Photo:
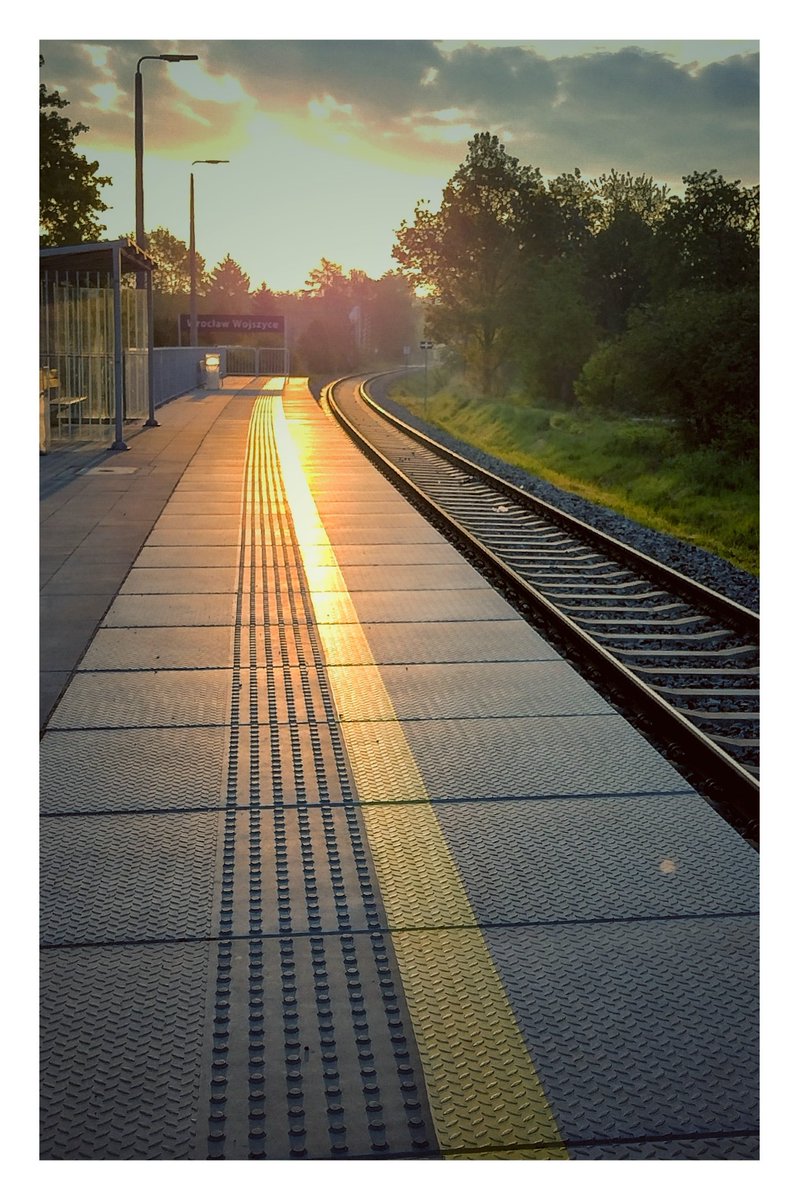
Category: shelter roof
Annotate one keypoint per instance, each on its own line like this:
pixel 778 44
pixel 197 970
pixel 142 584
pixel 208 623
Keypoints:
pixel 95 256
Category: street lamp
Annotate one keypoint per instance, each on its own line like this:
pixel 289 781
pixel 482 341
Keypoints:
pixel 141 240
pixel 214 162
pixel 139 135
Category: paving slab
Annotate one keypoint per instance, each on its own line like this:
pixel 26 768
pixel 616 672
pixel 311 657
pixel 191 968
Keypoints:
pixel 340 860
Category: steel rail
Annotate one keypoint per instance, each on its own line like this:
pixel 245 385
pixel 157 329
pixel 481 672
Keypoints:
pixel 718 775
pixel 698 593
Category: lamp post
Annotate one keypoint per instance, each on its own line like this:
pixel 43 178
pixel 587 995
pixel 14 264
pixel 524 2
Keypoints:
pixel 141 238
pixel 214 162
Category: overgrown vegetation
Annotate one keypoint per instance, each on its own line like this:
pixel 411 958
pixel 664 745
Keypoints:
pixel 608 293
pixel 338 323
pixel 602 333
pixel 637 466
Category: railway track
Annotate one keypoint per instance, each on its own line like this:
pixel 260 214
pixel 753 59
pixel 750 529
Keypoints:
pixel 681 660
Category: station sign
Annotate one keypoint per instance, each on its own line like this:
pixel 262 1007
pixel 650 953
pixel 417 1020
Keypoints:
pixel 231 323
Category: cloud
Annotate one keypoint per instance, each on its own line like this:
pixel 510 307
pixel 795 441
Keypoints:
pixel 177 115
pixel 638 110
pixel 375 82
pixel 634 107
pixel 495 82
pixel 732 84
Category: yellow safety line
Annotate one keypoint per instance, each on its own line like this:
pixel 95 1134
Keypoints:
pixel 483 1089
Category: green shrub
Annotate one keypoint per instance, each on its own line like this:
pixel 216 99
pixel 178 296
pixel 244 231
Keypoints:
pixel 694 359
pixel 637 466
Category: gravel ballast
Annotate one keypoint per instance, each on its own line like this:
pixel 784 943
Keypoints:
pixel 707 568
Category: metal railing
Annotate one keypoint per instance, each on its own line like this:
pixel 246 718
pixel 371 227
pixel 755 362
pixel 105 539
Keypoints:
pixel 254 360
pixel 77 367
pixel 77 355
pixel 176 369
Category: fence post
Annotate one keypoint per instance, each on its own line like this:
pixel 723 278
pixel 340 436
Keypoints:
pixel 119 377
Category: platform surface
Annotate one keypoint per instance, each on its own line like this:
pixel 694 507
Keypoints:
pixel 341 860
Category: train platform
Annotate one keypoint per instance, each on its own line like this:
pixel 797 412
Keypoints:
pixel 339 859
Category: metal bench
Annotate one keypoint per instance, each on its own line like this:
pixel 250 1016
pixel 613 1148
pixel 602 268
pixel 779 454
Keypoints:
pixel 66 411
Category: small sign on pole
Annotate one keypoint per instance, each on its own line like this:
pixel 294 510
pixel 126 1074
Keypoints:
pixel 425 346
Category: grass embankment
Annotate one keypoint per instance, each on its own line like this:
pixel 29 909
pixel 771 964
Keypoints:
pixel 636 468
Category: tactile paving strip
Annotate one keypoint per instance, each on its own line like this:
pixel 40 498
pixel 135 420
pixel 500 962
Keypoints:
pixel 312 1051
pixel 315 873
pixel 313 1056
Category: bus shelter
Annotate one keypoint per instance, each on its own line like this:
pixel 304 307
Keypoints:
pixel 95 341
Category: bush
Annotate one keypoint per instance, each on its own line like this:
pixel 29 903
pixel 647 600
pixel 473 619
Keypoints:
pixel 694 359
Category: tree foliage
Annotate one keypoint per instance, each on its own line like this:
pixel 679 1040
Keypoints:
pixel 172 274
pixel 611 281
pixel 263 299
pixel 339 322
pixel 469 254
pixel 711 236
pixel 69 186
pixel 228 287
pixel 559 330
pixel 694 359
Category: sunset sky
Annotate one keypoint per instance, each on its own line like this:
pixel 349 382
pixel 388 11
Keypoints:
pixel 333 141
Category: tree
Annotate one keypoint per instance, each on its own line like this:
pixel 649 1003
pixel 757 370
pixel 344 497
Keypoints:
pixel 228 287
pixel 317 353
pixel 393 316
pixel 326 280
pixel 470 253
pixel 618 193
pixel 172 275
pixel 558 330
pixel 263 300
pixel 578 207
pixel 621 256
pixel 69 186
pixel 711 236
pixel 620 265
pixel 694 359
pixel 334 307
